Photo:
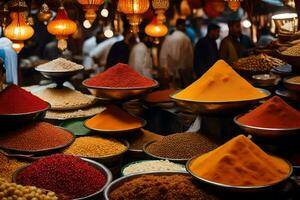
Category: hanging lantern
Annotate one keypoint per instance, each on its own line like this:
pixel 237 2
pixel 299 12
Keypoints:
pixel 90 7
pixel 234 5
pixel 210 11
pixel 160 7
pixel 156 30
pixel 185 8
pixel 218 5
pixel 18 31
pixel 134 10
pixel 62 27
pixel 17 6
pixel 44 14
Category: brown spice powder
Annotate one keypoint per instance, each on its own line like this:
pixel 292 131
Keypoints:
pixel 143 137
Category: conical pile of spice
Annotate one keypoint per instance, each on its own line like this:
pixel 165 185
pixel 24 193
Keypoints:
pixel 219 84
pixel 274 113
pixel 15 100
pixel 240 162
pixel 113 119
pixel 120 76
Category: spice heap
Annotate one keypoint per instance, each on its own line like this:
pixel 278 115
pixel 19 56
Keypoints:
pixel 15 100
pixel 63 174
pixel 76 126
pixel 220 84
pixel 95 147
pixel 8 167
pixel 65 98
pixel 240 162
pixel 160 96
pixel 113 119
pixel 14 191
pixel 152 166
pixel 257 63
pixel 119 76
pixel 35 137
pixel 274 113
pixel 142 138
pixel 292 51
pixel 294 80
pixel 62 115
pixel 147 187
pixel 181 146
pixel 59 65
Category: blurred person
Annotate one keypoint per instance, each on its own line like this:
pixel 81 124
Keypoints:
pixel 206 50
pixel 140 56
pixel 176 56
pixel 236 45
pixel 266 38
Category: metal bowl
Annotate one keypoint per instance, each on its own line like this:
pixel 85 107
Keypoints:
pixel 237 188
pixel 266 132
pixel 291 85
pixel 119 93
pixel 92 163
pixel 217 108
pixel 292 60
pixel 176 160
pixel 115 184
pixel 265 80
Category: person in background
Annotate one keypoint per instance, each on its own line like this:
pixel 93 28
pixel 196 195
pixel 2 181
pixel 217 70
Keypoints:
pixel 10 58
pixel 236 45
pixel 206 50
pixel 140 56
pixel 119 52
pixel 266 38
pixel 2 74
pixel 176 56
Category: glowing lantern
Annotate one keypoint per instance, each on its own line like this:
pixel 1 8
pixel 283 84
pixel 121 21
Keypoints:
pixel 134 10
pixel 160 7
pixel 62 27
pixel 185 8
pixel 90 7
pixel 18 30
pixel 155 29
pixel 218 5
pixel 234 5
pixel 210 11
pixel 44 14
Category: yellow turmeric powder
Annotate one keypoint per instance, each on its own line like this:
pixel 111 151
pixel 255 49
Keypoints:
pixel 240 162
pixel 113 119
pixel 220 83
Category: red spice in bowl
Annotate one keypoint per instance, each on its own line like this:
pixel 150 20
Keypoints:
pixel 63 174
pixel 36 137
pixel 274 113
pixel 15 100
pixel 119 76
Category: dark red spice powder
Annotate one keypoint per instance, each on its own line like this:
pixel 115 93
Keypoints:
pixel 15 100
pixel 35 137
pixel 119 76
pixel 63 174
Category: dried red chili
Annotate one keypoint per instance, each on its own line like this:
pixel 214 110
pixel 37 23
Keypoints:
pixel 63 174
pixel 15 100
pixel 119 76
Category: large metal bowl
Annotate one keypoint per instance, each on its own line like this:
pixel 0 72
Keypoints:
pixel 292 60
pixel 106 172
pixel 291 85
pixel 217 108
pixel 266 132
pixel 119 93
pixel 237 188
pixel 115 184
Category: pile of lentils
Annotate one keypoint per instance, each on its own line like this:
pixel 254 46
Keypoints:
pixel 63 174
pixel 8 167
pixel 181 146
pixel 143 136
pixel 149 187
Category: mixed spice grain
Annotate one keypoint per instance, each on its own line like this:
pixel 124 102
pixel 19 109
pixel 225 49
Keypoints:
pixel 8 167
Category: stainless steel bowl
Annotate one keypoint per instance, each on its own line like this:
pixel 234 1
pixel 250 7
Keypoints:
pixel 217 108
pixel 291 85
pixel 115 184
pixel 237 188
pixel 106 172
pixel 266 132
pixel 110 93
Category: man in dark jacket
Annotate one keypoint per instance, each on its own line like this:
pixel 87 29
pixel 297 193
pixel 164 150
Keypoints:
pixel 206 50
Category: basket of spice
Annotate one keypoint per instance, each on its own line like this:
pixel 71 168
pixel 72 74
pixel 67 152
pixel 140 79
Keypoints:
pixel 239 165
pixel 292 83
pixel 176 186
pixel 74 177
pixel 272 119
pixel 219 91
pixel 291 55
pixel 119 82
pixel 18 106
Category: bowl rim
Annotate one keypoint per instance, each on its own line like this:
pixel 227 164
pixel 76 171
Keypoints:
pixel 266 92
pixel 27 113
pixel 260 128
pixel 92 163
pixel 155 85
pixel 53 71
pixel 46 149
pixel 285 80
pixel 272 77
pixel 234 186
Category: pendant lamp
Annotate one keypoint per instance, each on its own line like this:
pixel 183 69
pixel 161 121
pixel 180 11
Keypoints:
pixel 44 14
pixel 156 30
pixel 90 7
pixel 160 7
pixel 234 5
